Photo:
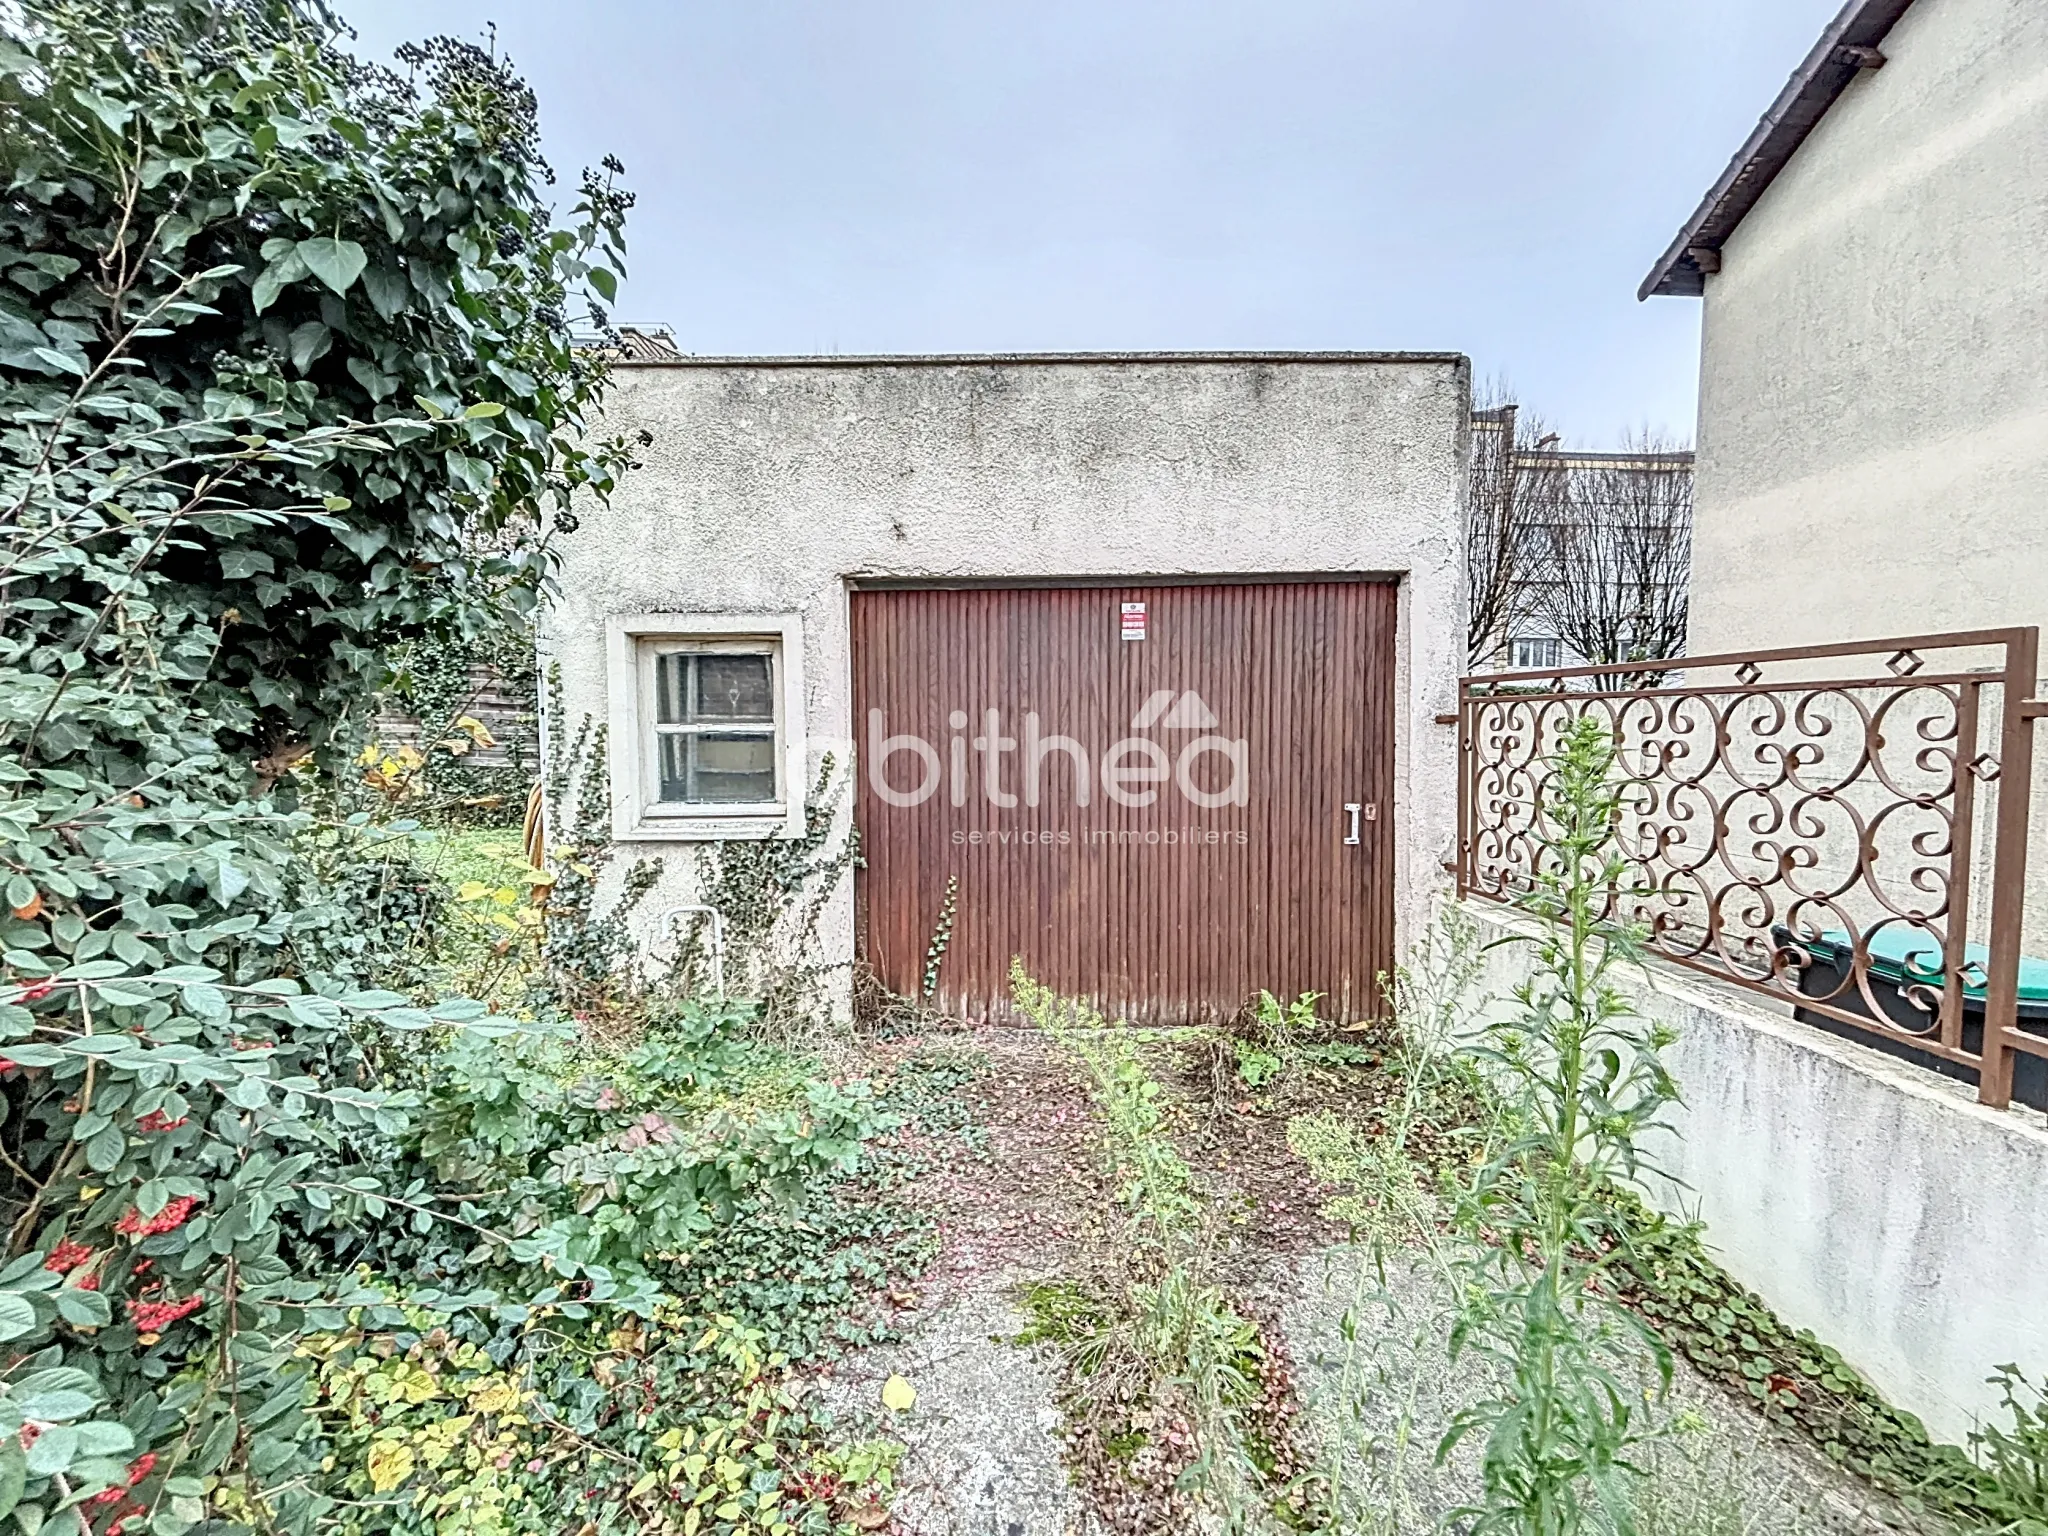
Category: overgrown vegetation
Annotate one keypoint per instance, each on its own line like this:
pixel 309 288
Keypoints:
pixel 1180 1404
pixel 1577 1293
pixel 439 684
pixel 1579 1085
pixel 1806 1386
pixel 772 893
pixel 294 1239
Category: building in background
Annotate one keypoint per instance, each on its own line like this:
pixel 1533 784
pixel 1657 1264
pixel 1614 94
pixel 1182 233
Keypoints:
pixel 1573 556
pixel 1129 667
pixel 1873 427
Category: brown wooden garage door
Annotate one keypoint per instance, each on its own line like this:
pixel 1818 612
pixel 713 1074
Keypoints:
pixel 1141 791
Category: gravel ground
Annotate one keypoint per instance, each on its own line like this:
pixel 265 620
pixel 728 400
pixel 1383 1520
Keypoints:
pixel 983 1455
pixel 1726 1473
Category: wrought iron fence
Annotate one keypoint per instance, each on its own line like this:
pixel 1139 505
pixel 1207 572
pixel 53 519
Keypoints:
pixel 1843 828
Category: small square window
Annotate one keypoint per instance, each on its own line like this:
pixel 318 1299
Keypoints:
pixel 712 733
pixel 707 726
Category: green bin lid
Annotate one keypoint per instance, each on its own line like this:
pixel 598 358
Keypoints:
pixel 1902 953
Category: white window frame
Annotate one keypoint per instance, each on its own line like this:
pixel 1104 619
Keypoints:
pixel 1516 664
pixel 631 644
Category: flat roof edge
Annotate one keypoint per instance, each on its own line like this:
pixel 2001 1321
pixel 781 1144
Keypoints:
pixel 1034 359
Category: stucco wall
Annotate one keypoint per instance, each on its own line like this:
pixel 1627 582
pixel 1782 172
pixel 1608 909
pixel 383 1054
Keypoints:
pixel 1875 1203
pixel 770 483
pixel 1873 433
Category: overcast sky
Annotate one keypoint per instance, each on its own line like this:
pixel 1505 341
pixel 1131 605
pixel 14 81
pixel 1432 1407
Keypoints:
pixel 1486 176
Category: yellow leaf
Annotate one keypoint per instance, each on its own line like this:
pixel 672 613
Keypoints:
pixel 898 1395
pixel 495 1396
pixel 645 1485
pixel 420 1387
pixel 390 1464
pixel 474 729
pixel 471 890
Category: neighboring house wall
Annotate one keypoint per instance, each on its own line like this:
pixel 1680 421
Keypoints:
pixel 770 483
pixel 1873 435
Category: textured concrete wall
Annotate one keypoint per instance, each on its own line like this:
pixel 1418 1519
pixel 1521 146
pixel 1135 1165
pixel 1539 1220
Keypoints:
pixel 768 485
pixel 1873 434
pixel 1866 1199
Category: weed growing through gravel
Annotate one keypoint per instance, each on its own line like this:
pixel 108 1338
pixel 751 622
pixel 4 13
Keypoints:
pixel 1181 1402
pixel 1395 1207
pixel 1581 1084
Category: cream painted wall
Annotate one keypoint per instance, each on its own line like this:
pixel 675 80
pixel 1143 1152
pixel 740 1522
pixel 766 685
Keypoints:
pixel 768 485
pixel 1873 433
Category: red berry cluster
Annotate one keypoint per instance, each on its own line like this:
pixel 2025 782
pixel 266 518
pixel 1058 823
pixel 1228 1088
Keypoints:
pixel 66 1256
pixel 142 1467
pixel 156 1316
pixel 169 1219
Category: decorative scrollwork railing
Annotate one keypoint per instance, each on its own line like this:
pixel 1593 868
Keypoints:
pixel 1837 827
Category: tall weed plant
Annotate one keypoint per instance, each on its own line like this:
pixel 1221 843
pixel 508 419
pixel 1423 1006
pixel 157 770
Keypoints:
pixel 1580 1085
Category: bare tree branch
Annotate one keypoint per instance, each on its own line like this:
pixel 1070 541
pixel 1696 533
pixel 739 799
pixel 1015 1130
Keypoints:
pixel 1620 557
pixel 1510 491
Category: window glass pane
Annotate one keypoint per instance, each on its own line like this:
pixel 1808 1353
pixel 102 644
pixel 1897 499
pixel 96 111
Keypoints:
pixel 732 770
pixel 674 757
pixel 734 688
pixel 716 769
pixel 671 688
pixel 1537 652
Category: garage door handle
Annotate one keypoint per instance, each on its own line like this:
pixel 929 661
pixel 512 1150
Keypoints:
pixel 1356 811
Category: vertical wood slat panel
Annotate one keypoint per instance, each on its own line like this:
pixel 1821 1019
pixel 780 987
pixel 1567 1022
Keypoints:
pixel 1160 932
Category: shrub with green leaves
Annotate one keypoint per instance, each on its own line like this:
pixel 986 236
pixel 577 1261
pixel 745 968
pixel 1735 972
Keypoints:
pixel 285 379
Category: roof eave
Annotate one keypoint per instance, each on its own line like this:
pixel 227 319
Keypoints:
pixel 1846 49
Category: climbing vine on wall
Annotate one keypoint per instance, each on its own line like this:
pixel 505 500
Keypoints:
pixel 772 892
pixel 591 959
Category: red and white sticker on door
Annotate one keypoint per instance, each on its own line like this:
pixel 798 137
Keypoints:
pixel 1133 621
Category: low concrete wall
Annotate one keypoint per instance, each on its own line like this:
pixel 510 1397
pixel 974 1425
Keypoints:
pixel 1868 1200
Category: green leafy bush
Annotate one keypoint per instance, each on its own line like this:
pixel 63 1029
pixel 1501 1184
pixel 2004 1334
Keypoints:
pixel 285 379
